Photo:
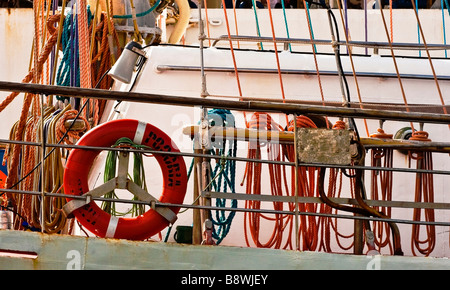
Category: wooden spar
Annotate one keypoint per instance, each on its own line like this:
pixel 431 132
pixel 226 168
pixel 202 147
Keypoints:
pixel 224 104
pixel 285 137
pixel 243 134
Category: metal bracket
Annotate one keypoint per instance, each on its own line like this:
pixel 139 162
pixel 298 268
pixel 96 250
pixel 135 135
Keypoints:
pixel 370 240
pixel 119 182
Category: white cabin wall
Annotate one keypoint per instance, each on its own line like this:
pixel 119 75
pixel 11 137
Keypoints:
pixel 16 38
pixel 404 27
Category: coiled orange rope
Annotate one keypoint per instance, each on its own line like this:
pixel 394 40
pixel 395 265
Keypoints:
pixel 424 192
pixel 84 50
pixel 282 225
pixel 307 186
pixel 72 134
pixel 252 220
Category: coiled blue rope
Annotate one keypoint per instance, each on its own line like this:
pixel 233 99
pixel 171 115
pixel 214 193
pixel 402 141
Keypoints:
pixel 68 73
pixel 226 177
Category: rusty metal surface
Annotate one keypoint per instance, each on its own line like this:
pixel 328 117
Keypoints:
pixel 316 145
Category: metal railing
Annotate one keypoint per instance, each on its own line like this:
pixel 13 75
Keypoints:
pixel 294 109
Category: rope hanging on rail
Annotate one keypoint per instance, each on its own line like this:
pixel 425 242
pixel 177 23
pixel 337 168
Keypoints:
pixel 69 68
pixel 138 177
pixel 381 188
pixel 71 73
pixel 224 174
pixel 253 220
pixel 24 162
pixel 29 207
pixel 424 192
pixel 282 183
pixel 307 186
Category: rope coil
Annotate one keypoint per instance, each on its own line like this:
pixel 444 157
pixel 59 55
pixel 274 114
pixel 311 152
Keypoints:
pixel 424 192
pixel 381 188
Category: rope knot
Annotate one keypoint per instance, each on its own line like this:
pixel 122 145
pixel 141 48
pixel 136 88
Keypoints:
pixel 419 136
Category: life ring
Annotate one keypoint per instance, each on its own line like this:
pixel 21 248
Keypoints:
pixel 80 161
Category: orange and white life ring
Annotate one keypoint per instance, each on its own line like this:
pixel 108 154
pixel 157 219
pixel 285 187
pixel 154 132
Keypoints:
pixel 80 161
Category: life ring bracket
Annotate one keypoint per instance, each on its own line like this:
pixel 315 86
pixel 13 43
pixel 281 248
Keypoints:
pixel 121 181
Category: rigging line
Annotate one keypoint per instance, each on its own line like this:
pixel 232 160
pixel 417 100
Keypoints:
pixel 310 25
pixel 94 29
pixel 365 26
pixel 207 21
pixel 416 8
pixel 235 22
pixel 353 66
pixel 44 16
pixel 233 55
pixel 277 58
pixel 443 26
pixel 285 23
pixel 257 23
pixel 346 19
pixel 36 5
pixel 315 56
pixel 48 154
pixel 395 63
pixel 83 32
pixel 391 20
pixel 444 109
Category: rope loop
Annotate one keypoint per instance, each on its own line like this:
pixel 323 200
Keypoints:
pixel 339 125
pixel 381 134
pixel 419 136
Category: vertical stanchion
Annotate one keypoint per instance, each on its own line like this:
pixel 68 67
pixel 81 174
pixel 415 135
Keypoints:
pixel 42 167
pixel 203 170
pixel 359 223
pixel 297 246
